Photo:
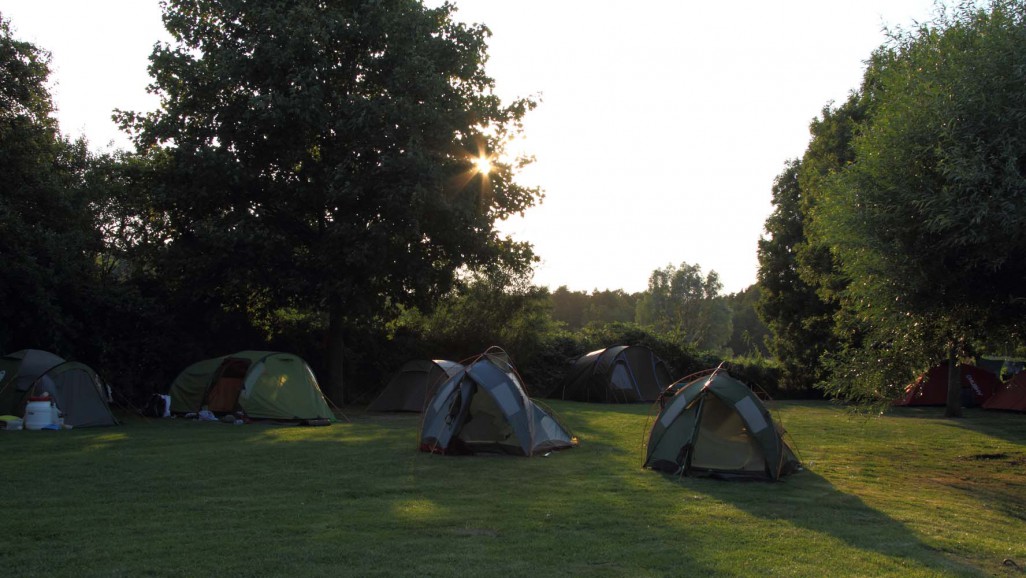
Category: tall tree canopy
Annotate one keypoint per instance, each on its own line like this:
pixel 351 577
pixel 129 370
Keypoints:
pixel 798 274
pixel 789 304
pixel 322 155
pixel 46 230
pixel 928 220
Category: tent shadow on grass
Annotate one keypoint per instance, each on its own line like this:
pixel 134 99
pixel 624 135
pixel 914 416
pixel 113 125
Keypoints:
pixel 809 501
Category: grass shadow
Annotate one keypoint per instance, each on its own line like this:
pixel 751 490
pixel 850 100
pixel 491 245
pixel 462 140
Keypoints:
pixel 807 503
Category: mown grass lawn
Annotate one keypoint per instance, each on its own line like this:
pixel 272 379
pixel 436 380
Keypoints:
pixel 906 494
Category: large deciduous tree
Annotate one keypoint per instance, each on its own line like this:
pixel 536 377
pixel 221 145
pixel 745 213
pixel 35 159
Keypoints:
pixel 46 230
pixel 800 321
pixel 321 155
pixel 928 221
pixel 683 302
pixel 801 281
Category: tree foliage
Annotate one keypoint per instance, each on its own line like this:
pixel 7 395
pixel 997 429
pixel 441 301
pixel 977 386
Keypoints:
pixel 306 160
pixel 578 309
pixel 320 156
pixel 749 334
pixel 681 301
pixel 47 238
pixel 927 221
pixel 799 319
pixel 569 307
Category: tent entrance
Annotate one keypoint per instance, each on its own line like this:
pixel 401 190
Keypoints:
pixel 723 441
pixel 223 396
pixel 486 428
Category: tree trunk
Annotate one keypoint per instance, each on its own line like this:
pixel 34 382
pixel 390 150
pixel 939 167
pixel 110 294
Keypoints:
pixel 335 387
pixel 954 407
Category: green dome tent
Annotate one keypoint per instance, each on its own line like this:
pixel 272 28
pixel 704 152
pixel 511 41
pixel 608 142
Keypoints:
pixel 262 384
pixel 411 385
pixel 712 424
pixel 484 409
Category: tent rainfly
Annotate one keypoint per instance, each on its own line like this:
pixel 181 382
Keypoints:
pixel 712 424
pixel 931 388
pixel 411 385
pixel 1011 396
pixel 77 390
pixel 620 374
pixel 261 384
pixel 484 408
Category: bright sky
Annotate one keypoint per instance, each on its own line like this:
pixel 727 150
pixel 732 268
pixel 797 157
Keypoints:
pixel 661 127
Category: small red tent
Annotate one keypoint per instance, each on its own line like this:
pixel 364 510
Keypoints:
pixel 932 387
pixel 1011 397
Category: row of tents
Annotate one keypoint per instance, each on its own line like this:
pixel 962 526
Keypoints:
pixel 980 388
pixel 628 374
pixel 621 374
pixel 264 385
pixel 708 423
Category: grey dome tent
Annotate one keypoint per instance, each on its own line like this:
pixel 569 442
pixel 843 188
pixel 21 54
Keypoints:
pixel 712 424
pixel 620 374
pixel 484 408
pixel 80 394
pixel 77 390
pixel 18 371
pixel 409 387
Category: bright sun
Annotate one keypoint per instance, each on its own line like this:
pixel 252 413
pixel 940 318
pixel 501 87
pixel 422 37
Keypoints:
pixel 483 165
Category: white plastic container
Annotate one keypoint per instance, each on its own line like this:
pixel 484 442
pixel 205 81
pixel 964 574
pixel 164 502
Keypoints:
pixel 38 414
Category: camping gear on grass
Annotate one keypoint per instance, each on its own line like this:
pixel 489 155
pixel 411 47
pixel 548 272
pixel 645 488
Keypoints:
pixel 39 412
pixel 931 388
pixel 484 408
pixel 261 384
pixel 712 424
pixel 411 385
pixel 74 388
pixel 1011 396
pixel 620 374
